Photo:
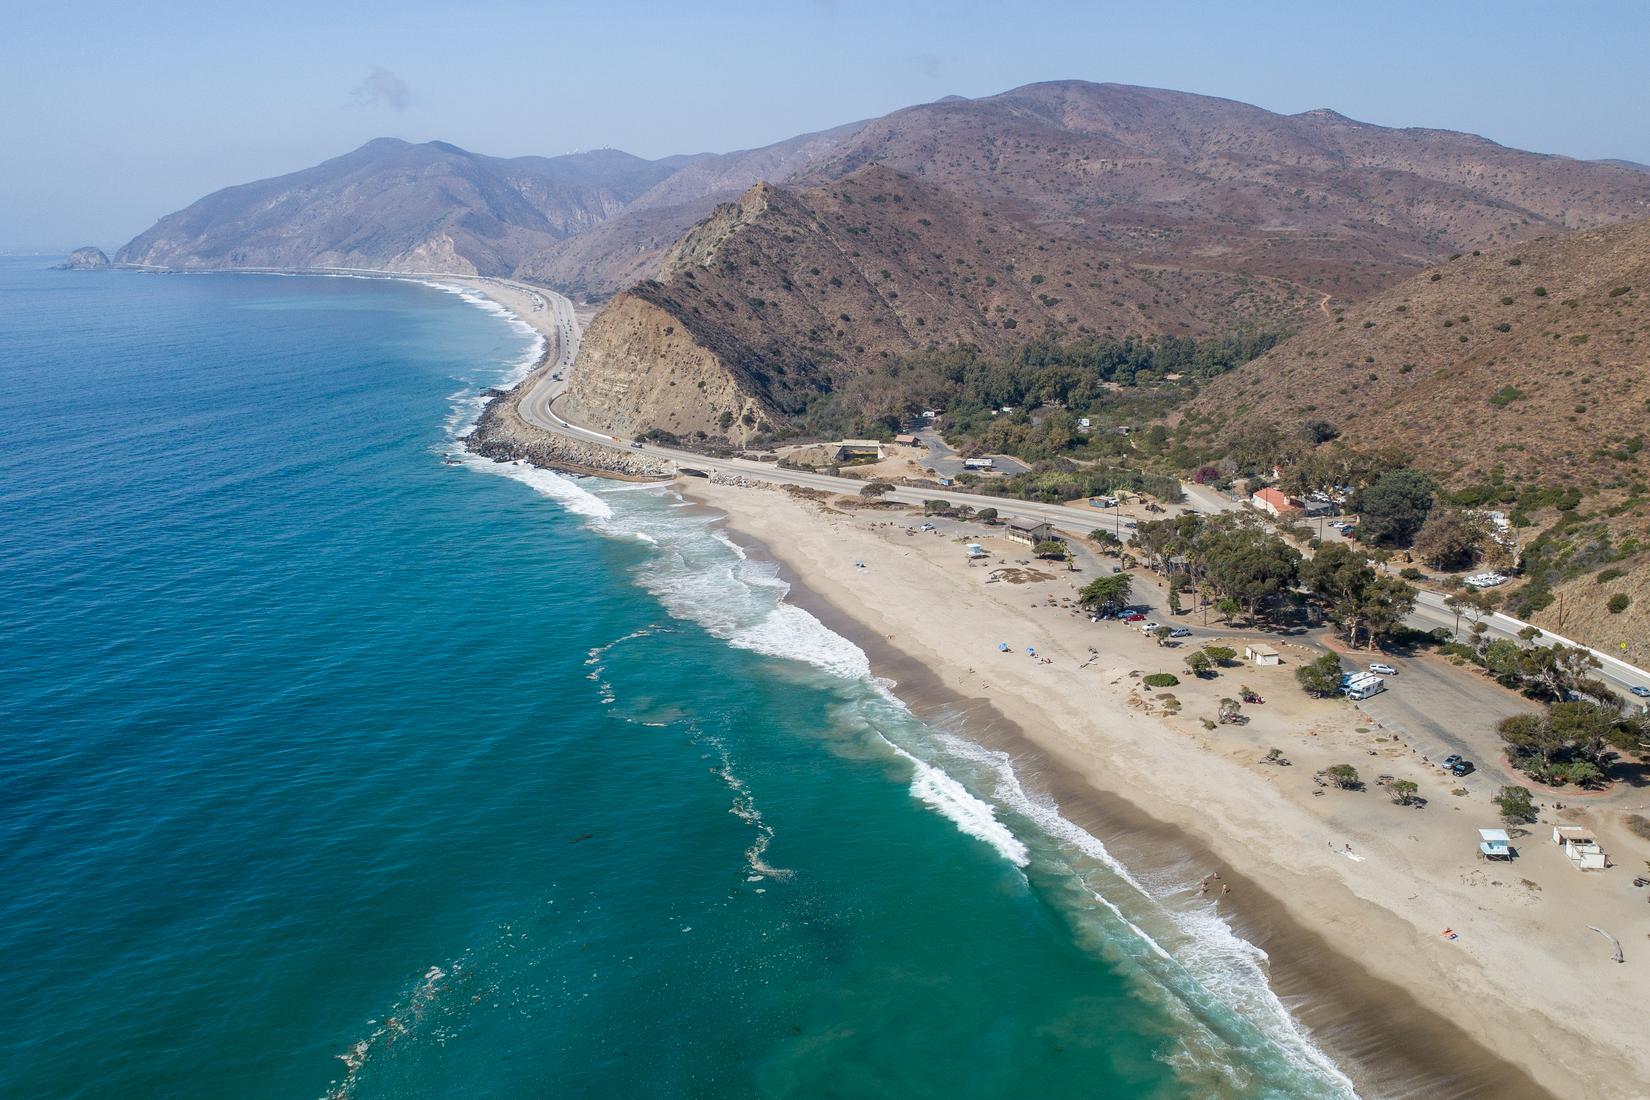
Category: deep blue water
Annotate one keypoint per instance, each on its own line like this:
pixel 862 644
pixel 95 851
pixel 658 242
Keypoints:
pixel 327 767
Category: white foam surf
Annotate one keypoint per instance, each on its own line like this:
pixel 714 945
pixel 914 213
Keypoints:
pixel 701 575
pixel 973 816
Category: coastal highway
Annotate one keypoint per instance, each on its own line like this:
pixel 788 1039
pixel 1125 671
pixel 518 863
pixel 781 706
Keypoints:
pixel 560 325
pixel 537 407
pixel 1430 611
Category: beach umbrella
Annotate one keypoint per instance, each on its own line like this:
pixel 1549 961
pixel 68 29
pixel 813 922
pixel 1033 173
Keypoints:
pixel 1002 647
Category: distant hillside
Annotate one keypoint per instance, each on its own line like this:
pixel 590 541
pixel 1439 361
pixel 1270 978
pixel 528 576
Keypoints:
pixel 628 246
pixel 396 206
pixel 587 222
pixel 1530 358
pixel 1518 379
pixel 1072 206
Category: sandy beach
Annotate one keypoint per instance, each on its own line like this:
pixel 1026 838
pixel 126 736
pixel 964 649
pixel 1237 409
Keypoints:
pixel 1349 893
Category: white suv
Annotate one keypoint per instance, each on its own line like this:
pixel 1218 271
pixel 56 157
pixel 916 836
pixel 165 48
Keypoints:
pixel 1383 669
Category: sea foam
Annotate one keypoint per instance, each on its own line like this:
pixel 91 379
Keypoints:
pixel 701 575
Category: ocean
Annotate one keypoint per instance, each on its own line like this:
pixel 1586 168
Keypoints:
pixel 333 768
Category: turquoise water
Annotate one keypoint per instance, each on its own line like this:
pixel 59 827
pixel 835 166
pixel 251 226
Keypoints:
pixel 332 769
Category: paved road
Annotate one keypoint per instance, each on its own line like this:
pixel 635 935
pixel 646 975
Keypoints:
pixel 1431 612
pixel 1440 709
pixel 537 407
pixel 946 462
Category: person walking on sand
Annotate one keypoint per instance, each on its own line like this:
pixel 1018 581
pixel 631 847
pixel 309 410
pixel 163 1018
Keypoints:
pixel 1225 888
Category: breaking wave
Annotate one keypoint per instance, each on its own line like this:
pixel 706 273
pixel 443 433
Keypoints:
pixel 1215 980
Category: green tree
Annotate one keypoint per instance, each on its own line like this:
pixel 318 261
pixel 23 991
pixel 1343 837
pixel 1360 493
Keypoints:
pixel 1344 776
pixel 1321 678
pixel 1394 507
pixel 936 507
pixel 1354 596
pixel 1050 548
pixel 1220 654
pixel 1244 562
pixel 1108 593
pixel 986 515
pixel 1160 680
pixel 1105 539
pixel 1403 791
pixel 876 489
pixel 1515 805
pixel 1199 664
pixel 1452 539
pixel 1162 634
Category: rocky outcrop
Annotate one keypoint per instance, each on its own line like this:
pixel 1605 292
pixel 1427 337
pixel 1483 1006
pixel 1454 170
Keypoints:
pixel 642 367
pixel 503 436
pixel 85 259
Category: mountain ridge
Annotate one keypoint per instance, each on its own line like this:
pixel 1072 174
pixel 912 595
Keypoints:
pixel 1077 208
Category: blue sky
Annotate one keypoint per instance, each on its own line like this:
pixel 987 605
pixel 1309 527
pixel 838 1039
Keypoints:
pixel 114 114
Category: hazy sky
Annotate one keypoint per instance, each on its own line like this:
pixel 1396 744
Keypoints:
pixel 112 114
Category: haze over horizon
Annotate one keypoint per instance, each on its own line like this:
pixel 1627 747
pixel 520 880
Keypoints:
pixel 123 117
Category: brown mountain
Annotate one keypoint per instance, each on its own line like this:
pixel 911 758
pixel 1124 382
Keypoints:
pixel 628 246
pixel 1529 358
pixel 587 222
pixel 395 206
pixel 1516 376
pixel 1068 205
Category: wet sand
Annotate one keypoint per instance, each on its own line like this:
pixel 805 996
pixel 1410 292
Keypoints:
pixel 1353 946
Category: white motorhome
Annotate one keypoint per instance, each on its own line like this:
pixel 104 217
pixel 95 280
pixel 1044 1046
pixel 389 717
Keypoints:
pixel 1362 686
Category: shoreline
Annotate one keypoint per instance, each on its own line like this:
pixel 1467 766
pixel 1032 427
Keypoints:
pixel 1352 973
pixel 1378 1034
pixel 1519 1003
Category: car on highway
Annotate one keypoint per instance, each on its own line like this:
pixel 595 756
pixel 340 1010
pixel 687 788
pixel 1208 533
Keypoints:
pixel 1383 668
pixel 635 445
pixel 1641 692
pixel 1131 525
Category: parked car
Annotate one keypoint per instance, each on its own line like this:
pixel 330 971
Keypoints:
pixel 1134 617
pixel 1452 759
pixel 1462 768
pixel 1349 532
pixel 1180 632
pixel 1641 692
pixel 1147 628
pixel 1383 668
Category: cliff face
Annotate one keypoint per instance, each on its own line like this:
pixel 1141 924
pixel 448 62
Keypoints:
pixel 639 367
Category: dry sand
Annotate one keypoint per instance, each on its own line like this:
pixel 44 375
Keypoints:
pixel 1356 942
